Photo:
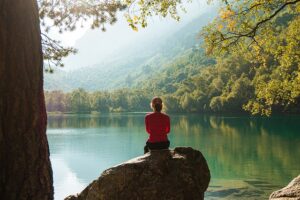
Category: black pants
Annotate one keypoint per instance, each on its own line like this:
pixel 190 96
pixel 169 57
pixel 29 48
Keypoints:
pixel 156 146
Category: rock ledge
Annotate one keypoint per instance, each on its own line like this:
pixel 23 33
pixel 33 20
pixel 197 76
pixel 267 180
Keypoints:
pixel 181 173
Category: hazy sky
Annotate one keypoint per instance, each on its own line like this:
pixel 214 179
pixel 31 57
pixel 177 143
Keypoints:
pixel 94 46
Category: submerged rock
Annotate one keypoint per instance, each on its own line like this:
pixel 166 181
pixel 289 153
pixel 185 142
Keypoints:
pixel 181 173
pixel 290 192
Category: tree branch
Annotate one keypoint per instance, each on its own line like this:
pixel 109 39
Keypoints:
pixel 252 33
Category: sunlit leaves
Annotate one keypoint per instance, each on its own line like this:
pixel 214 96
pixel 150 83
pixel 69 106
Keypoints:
pixel 138 11
pixel 278 87
pixel 267 33
pixel 241 22
pixel 226 13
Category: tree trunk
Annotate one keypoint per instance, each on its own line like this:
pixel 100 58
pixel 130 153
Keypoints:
pixel 25 169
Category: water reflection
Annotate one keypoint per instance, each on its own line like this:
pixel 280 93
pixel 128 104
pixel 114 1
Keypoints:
pixel 65 177
pixel 95 121
pixel 242 152
pixel 244 147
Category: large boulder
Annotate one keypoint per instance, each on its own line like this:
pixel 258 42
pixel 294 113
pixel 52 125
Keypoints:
pixel 181 173
pixel 290 192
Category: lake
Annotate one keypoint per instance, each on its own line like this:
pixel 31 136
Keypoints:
pixel 248 157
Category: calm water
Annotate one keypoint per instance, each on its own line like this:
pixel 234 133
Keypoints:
pixel 248 157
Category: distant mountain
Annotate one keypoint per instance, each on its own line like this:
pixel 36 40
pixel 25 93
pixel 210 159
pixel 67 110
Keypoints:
pixel 131 64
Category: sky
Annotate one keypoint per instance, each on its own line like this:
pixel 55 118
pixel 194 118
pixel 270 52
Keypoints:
pixel 96 46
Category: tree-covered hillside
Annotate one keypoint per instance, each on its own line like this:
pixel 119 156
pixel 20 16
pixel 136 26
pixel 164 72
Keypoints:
pixel 166 82
pixel 248 63
pixel 131 64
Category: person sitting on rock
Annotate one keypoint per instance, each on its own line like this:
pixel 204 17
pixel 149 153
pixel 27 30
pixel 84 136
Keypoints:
pixel 157 126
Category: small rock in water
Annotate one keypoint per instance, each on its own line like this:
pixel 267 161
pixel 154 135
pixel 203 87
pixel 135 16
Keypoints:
pixel 176 174
pixel 290 192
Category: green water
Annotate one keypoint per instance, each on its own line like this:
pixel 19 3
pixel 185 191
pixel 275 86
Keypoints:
pixel 248 157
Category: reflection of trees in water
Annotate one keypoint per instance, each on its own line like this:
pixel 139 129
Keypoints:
pixel 94 121
pixel 242 147
pixel 234 146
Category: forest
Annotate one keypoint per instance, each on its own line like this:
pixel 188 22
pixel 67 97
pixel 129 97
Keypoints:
pixel 252 81
pixel 226 72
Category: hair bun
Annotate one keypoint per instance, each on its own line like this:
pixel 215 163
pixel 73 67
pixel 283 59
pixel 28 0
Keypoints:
pixel 156 100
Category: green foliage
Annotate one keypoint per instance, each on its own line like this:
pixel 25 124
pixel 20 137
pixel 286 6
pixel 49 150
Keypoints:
pixel 254 65
pixel 240 24
pixel 81 101
pixel 139 10
pixel 266 35
pixel 205 86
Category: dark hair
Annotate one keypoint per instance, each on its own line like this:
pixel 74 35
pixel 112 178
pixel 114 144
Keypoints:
pixel 157 107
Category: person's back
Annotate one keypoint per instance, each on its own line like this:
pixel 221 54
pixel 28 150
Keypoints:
pixel 157 126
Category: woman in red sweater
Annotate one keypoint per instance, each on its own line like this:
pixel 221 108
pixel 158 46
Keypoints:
pixel 157 126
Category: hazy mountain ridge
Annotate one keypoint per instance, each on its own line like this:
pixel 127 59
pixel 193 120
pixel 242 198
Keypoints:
pixel 130 66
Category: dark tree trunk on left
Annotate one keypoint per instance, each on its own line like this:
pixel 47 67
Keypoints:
pixel 25 169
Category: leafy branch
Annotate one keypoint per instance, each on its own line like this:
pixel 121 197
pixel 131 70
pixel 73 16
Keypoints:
pixel 67 15
pixel 54 52
pixel 238 25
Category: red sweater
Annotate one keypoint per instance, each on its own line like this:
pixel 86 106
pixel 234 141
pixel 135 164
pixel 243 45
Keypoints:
pixel 158 126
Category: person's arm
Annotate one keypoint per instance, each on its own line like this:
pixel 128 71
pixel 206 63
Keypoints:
pixel 147 125
pixel 168 125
